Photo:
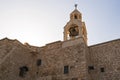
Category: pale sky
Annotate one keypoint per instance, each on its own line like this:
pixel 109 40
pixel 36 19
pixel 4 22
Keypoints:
pixel 40 22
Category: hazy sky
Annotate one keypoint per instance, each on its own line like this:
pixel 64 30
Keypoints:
pixel 40 22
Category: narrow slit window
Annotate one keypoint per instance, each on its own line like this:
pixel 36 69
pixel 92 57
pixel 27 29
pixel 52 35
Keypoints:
pixel 39 61
pixel 102 69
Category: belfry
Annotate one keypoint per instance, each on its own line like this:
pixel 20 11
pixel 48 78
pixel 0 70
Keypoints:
pixel 75 28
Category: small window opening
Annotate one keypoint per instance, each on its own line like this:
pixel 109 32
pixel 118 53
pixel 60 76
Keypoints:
pixel 66 69
pixel 39 62
pixel 36 72
pixel 102 69
pixel 23 71
pixel 90 67
pixel 75 17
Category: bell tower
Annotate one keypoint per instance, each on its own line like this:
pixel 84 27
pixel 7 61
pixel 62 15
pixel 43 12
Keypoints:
pixel 75 28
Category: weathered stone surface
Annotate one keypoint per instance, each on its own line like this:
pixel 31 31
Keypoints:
pixel 53 59
pixel 107 56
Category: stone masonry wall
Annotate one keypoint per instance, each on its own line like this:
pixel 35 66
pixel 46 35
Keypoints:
pixel 98 62
pixel 105 58
pixel 10 69
pixel 52 59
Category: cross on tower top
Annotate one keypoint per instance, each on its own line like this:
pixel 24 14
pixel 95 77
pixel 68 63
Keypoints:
pixel 76 6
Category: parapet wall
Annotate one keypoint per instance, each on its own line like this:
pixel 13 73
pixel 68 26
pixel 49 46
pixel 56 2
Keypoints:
pixel 54 45
pixel 72 42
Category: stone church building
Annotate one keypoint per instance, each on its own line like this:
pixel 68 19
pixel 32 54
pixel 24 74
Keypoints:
pixel 70 59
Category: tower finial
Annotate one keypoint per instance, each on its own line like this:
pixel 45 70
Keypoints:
pixel 76 6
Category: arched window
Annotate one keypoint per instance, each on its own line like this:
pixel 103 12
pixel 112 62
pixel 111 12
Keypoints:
pixel 75 17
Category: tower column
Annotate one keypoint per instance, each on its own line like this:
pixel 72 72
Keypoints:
pixel 75 28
